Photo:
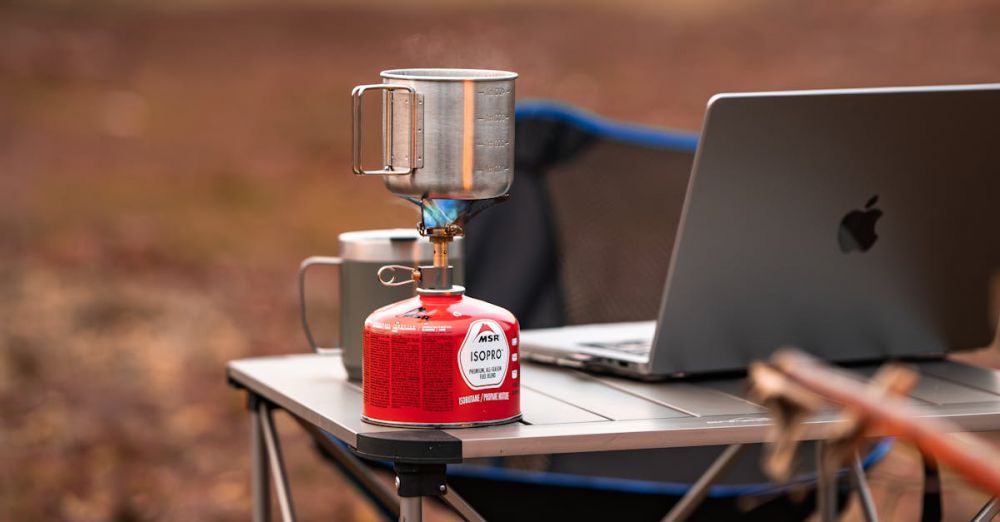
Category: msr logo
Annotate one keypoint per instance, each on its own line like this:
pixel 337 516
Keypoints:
pixel 484 355
pixel 486 334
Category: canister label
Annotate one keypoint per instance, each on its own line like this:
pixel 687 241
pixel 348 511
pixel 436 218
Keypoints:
pixel 484 355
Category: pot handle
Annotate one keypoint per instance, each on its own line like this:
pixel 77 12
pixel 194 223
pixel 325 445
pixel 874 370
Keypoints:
pixel 356 95
pixel 306 263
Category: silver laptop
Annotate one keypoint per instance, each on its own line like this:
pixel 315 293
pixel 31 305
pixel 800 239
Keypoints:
pixel 858 225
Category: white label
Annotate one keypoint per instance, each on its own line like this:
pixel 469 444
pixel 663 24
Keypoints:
pixel 484 354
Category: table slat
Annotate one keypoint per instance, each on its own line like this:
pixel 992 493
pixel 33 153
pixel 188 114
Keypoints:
pixel 692 398
pixel 316 390
pixel 935 390
pixel 982 378
pixel 542 409
pixel 585 391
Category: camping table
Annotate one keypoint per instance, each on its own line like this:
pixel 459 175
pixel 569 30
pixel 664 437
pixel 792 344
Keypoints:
pixel 565 411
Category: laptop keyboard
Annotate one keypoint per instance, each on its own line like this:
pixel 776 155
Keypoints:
pixel 632 346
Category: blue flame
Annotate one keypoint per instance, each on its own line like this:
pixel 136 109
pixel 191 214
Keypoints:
pixel 442 212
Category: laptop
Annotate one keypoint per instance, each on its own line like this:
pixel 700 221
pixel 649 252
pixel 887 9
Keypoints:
pixel 858 225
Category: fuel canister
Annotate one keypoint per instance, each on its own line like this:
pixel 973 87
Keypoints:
pixel 440 359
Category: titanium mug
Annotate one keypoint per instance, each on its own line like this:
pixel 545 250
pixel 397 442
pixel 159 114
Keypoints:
pixel 446 133
pixel 362 253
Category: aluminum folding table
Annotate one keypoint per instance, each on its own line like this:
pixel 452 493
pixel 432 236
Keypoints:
pixel 565 411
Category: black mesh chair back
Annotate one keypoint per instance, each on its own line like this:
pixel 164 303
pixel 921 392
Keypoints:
pixel 587 234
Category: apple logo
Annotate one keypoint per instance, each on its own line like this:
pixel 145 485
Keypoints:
pixel 857 229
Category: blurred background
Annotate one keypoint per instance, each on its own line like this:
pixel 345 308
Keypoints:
pixel 164 166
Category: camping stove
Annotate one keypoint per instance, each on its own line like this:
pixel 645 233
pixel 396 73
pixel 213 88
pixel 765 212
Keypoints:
pixel 441 358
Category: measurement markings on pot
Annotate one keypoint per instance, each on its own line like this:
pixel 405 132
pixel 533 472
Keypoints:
pixel 495 91
pixel 497 116
pixel 494 143
pixel 494 168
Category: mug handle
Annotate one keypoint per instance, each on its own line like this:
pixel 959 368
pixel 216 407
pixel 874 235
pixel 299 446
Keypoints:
pixel 356 96
pixel 303 267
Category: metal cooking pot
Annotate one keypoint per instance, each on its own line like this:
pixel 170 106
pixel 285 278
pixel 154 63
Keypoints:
pixel 446 133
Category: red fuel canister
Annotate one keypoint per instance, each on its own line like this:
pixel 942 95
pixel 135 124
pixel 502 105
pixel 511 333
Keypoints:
pixel 440 359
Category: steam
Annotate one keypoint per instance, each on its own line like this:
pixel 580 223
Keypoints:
pixel 449 47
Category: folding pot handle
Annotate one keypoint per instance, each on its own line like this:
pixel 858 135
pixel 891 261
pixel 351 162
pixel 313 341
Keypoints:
pixel 356 95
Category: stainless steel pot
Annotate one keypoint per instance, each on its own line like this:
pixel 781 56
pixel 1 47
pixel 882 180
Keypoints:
pixel 446 133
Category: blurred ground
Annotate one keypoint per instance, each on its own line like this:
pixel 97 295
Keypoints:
pixel 163 168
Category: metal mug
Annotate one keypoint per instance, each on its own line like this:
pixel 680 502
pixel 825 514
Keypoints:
pixel 362 253
pixel 446 133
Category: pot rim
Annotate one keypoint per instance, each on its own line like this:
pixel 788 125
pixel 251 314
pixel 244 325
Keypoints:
pixel 448 75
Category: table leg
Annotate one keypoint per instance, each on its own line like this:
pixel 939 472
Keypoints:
pixel 410 509
pixel 415 481
pixel 826 485
pixel 277 463
pixel 694 496
pixel 259 479
pixel 861 486
pixel 360 473
pixel 461 507
pixel 989 511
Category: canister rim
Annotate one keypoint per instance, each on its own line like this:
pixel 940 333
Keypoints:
pixel 445 74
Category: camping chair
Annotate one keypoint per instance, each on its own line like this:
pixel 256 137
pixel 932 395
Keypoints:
pixel 586 237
